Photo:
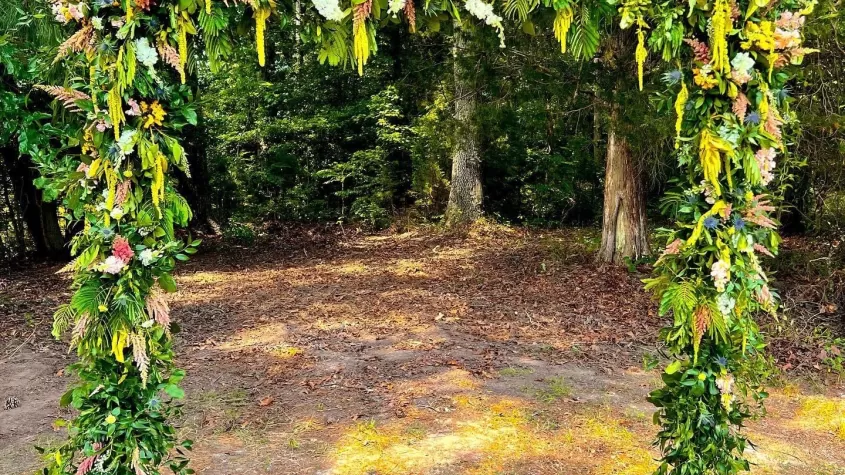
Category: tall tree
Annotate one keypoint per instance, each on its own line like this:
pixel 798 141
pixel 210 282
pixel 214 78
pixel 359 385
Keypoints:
pixel 465 196
pixel 624 233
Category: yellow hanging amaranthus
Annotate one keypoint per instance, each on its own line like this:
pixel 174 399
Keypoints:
pixel 208 7
pixel 563 21
pixel 680 104
pixel 111 183
pixel 129 12
pixel 260 16
pixel 118 343
pixel 641 53
pixel 116 111
pixel 710 153
pixel 722 24
pixel 183 48
pixel 361 40
pixel 157 187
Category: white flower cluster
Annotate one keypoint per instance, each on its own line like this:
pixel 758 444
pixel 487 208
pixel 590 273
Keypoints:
pixel 726 304
pixel 484 11
pixel 330 9
pixel 146 54
pixel 765 158
pixel 395 6
pixel 720 272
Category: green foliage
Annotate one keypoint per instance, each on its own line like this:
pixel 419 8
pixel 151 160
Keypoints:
pixel 731 109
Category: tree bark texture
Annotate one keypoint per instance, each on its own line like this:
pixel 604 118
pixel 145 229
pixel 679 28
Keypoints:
pixel 465 195
pixel 624 232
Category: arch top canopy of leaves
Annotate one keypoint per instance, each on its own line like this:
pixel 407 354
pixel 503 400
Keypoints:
pixel 733 58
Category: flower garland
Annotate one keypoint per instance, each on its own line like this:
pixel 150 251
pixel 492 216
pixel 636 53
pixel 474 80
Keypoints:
pixel 119 322
pixel 710 277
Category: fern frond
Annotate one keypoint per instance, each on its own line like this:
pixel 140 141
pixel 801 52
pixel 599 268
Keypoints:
pixel 584 37
pixel 519 9
pixel 61 320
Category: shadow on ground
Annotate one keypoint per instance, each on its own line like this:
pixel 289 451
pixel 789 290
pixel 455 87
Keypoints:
pixel 498 352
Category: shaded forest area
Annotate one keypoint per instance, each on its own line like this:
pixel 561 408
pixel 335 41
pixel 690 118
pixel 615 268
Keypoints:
pixel 440 129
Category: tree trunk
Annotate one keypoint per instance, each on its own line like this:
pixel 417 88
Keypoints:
pixel 41 217
pixel 17 225
pixel 465 195
pixel 623 231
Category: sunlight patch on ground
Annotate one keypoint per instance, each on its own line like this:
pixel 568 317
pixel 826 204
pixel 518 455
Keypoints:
pixel 773 456
pixel 823 414
pixel 409 267
pixel 482 444
pixel 271 336
pixel 627 455
pixel 204 277
pixel 484 436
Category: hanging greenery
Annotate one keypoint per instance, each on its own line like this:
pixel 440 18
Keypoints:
pixel 710 278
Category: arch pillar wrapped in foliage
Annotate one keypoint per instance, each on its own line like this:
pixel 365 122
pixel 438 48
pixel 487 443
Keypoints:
pixel 731 61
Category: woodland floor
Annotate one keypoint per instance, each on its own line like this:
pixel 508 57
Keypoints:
pixel 500 351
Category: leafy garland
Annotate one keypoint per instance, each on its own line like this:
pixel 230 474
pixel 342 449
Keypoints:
pixel 730 109
pixel 733 61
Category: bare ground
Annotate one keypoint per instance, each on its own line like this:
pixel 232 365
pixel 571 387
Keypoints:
pixel 502 351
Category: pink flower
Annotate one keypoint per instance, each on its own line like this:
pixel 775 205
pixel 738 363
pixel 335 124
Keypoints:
pixel 135 109
pixel 122 192
pixel 113 265
pixel 83 167
pixel 673 248
pixel 117 23
pixel 764 296
pixel 762 249
pixel 785 39
pixel 75 12
pixel 790 21
pixel 102 126
pixel 121 249
pixel 740 77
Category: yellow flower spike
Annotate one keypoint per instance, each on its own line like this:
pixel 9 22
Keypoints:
pixel 563 21
pixel 732 90
pixel 640 55
pixel 118 343
pixel 94 168
pixel 711 148
pixel 208 7
pixel 722 24
pixel 182 40
pixel 111 182
pixel 360 37
pixel 115 103
pixel 129 12
pixel 680 104
pixel 260 16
